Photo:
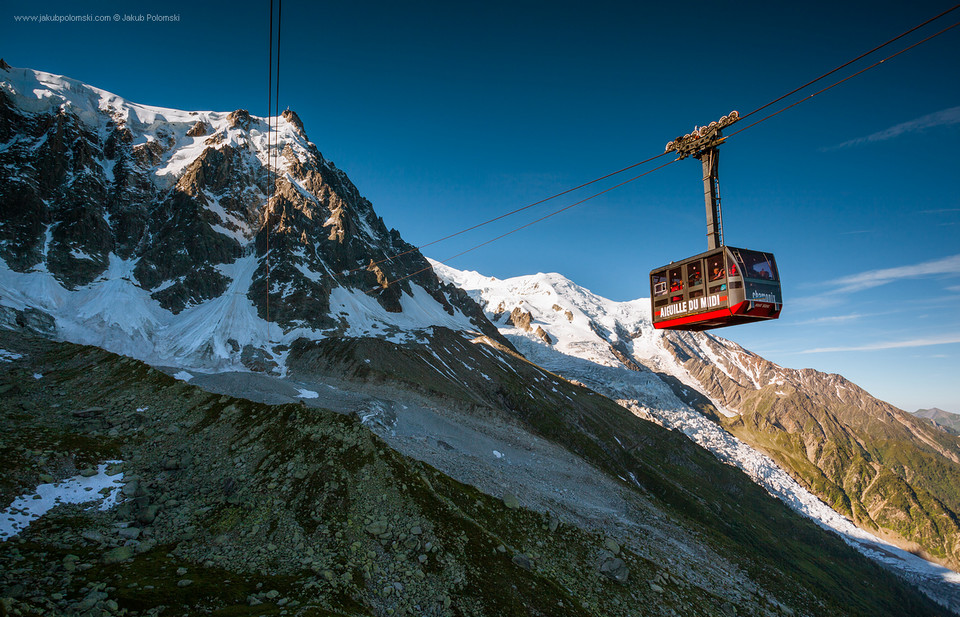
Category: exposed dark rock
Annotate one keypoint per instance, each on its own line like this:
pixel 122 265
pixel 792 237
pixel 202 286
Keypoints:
pixel 542 334
pixel 76 200
pixel 199 129
pixel 615 569
pixel 239 119
pixel 257 359
pixel 520 318
pixel 523 561
pixel 29 319
pixel 292 117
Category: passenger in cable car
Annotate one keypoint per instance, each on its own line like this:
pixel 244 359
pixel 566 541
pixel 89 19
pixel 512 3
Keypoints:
pixel 762 271
pixel 717 273
pixel 676 284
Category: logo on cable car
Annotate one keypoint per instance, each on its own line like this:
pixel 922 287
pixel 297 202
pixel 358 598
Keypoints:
pixel 757 295
pixel 695 304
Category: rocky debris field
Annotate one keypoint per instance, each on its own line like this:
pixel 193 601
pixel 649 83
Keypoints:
pixel 231 507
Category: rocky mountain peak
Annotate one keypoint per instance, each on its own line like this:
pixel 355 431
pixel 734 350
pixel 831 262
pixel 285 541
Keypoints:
pixel 291 116
pixel 239 119
pixel 205 216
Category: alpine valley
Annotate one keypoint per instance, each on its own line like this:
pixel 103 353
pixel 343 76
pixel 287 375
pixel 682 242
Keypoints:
pixel 228 389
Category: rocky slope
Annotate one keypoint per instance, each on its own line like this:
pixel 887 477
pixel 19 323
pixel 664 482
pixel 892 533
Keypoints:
pixel 234 507
pixel 891 474
pixel 197 238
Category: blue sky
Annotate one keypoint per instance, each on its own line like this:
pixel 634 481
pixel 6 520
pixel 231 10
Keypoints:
pixel 447 114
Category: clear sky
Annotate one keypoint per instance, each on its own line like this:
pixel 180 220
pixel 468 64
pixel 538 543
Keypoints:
pixel 445 114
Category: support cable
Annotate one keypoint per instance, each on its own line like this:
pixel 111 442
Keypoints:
pixel 534 222
pixel 269 182
pixel 837 83
pixel 273 141
pixel 808 97
pixel 755 111
pixel 848 63
pixel 507 214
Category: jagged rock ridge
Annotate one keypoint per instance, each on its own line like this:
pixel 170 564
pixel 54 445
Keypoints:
pixel 214 234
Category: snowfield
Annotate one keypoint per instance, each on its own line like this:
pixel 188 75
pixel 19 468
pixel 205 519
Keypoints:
pixel 116 314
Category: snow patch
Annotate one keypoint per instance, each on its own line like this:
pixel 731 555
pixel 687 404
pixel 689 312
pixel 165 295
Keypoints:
pixel 78 489
pixel 9 356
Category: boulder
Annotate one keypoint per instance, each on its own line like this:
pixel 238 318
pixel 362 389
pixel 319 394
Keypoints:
pixel 615 569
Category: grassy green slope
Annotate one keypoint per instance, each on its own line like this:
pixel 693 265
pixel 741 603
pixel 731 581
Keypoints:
pixel 888 471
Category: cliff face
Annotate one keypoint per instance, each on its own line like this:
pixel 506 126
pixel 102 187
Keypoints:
pixel 193 211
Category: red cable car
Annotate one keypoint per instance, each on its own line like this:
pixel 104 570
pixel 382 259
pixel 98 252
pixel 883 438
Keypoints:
pixel 725 286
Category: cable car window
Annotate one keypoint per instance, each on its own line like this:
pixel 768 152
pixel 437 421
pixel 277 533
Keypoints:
pixel 694 274
pixel 757 265
pixel 659 280
pixel 676 281
pixel 715 267
pixel 697 293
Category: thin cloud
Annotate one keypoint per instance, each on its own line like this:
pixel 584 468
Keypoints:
pixel 943 117
pixel 953 288
pixel 859 231
pixel 820 302
pixel 876 278
pixel 939 211
pixel 920 342
pixel 828 320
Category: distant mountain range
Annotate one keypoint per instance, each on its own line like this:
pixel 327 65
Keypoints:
pixel 184 240
pixel 949 422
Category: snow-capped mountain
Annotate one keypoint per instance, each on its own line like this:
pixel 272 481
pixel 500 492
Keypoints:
pixel 194 238
pixel 710 389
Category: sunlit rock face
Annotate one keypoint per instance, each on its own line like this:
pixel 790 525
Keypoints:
pixel 226 214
